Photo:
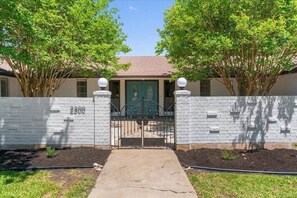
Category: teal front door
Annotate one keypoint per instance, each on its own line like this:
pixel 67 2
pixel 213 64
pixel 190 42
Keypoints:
pixel 142 98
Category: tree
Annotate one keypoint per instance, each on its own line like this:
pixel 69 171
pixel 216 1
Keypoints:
pixel 46 41
pixel 247 43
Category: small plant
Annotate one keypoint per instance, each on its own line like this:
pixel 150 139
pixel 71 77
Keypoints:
pixel 227 155
pixel 50 152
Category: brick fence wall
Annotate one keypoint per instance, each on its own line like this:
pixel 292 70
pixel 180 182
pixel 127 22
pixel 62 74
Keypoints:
pixel 235 122
pixel 27 122
pixel 216 122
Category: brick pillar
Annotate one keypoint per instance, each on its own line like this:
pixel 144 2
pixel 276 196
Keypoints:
pixel 182 119
pixel 102 118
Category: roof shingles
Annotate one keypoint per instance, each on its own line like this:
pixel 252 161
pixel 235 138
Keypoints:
pixel 141 66
pixel 146 66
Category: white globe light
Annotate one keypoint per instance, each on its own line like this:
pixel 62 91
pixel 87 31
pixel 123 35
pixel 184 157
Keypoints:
pixel 181 83
pixel 102 82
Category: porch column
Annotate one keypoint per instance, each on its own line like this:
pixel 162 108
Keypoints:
pixel 102 119
pixel 182 119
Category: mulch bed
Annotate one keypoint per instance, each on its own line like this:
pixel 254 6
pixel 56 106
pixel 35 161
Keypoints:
pixel 67 157
pixel 280 160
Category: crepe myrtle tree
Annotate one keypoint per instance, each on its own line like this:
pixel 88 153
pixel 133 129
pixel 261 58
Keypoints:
pixel 46 41
pixel 246 43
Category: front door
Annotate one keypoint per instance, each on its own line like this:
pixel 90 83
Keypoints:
pixel 142 122
pixel 142 93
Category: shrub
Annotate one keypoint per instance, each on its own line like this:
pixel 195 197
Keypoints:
pixel 50 152
pixel 227 155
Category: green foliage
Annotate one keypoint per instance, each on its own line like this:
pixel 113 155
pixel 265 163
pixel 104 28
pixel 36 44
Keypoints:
pixel 243 185
pixel 39 184
pixel 27 184
pixel 227 155
pixel 250 40
pixel 81 188
pixel 50 152
pixel 54 39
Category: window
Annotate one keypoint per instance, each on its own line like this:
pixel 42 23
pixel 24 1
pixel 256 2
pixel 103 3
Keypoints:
pixel 204 87
pixel 81 88
pixel 114 88
pixel 3 87
pixel 169 88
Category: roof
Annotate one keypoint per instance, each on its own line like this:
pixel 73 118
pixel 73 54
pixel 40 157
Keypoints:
pixel 4 65
pixel 5 69
pixel 141 66
pixel 146 66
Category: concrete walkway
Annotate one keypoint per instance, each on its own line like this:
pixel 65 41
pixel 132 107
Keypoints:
pixel 142 174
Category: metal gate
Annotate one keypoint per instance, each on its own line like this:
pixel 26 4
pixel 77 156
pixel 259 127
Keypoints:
pixel 142 124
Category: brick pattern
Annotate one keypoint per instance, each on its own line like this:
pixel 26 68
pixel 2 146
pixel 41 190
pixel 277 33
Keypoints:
pixel 182 111
pixel 244 121
pixel 102 117
pixel 54 121
pixel 239 121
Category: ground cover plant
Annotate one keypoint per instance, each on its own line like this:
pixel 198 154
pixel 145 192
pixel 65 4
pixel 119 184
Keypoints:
pixel 214 184
pixel 226 155
pixel 81 188
pixel 50 152
pixel 26 184
pixel 54 183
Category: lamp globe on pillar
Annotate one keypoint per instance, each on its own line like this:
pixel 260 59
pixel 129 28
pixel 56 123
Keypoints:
pixel 181 83
pixel 102 82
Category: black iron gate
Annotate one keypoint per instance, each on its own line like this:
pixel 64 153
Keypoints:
pixel 142 124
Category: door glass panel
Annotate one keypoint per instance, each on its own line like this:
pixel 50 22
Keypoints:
pixel 138 90
pixel 150 98
pixel 133 98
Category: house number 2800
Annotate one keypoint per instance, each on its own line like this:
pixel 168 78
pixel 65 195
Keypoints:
pixel 77 110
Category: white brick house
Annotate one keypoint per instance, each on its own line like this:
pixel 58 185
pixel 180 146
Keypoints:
pixel 220 122
pixel 146 74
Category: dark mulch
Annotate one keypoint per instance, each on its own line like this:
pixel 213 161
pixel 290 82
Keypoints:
pixel 280 160
pixel 67 157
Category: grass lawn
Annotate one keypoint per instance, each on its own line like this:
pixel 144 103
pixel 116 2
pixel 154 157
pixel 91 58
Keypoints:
pixel 210 184
pixel 81 188
pixel 41 184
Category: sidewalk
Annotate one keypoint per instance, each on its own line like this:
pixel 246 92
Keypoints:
pixel 142 174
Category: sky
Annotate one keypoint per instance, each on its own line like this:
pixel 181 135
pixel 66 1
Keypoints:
pixel 141 19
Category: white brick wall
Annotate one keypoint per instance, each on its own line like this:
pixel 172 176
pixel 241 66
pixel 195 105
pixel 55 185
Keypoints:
pixel 182 111
pixel 52 121
pixel 102 117
pixel 249 121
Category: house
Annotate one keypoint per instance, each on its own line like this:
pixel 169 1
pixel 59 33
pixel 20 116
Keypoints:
pixel 148 77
